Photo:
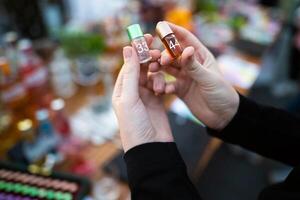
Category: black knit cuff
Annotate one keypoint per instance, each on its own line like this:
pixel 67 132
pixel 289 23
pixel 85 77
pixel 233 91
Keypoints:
pixel 163 153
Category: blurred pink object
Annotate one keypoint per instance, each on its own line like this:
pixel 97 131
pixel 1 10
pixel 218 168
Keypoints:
pixel 83 167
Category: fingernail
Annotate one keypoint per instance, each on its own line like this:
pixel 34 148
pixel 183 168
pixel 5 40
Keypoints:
pixel 127 52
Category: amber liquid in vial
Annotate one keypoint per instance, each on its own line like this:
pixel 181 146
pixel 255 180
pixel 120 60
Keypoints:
pixel 172 45
pixel 142 49
pixel 169 39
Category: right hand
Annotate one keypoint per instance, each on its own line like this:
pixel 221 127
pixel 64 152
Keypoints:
pixel 199 82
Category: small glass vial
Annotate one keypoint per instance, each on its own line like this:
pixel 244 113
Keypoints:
pixel 60 120
pixel 169 39
pixel 26 130
pixel 138 41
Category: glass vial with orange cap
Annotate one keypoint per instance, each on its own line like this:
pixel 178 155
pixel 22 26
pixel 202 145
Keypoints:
pixel 169 39
pixel 138 41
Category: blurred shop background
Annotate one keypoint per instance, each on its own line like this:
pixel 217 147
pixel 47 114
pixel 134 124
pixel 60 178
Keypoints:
pixel 58 64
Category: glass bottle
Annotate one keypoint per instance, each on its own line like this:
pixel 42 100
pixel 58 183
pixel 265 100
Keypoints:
pixel 13 93
pixel 45 140
pixel 138 41
pixel 26 130
pixel 169 39
pixel 32 72
pixel 61 78
pixel 45 126
pixel 11 51
pixel 60 120
pixel 7 133
pixel 27 135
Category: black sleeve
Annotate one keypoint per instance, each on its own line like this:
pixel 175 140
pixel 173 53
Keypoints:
pixel 157 171
pixel 265 130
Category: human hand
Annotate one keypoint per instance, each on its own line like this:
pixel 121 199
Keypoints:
pixel 199 82
pixel 141 114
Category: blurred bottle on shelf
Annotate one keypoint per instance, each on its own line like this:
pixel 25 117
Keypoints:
pixel 83 166
pixel 6 129
pixel 13 93
pixel 61 79
pixel 5 119
pixel 45 140
pixel 60 120
pixel 26 131
pixel 108 62
pixel 11 50
pixel 27 138
pixel 45 126
pixel 32 72
pixel 87 70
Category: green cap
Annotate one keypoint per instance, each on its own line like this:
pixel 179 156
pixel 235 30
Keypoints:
pixel 134 31
pixel 30 190
pixel 25 190
pixel 42 193
pixel 18 187
pixel 50 194
pixel 2 185
pixel 33 191
pixel 67 196
pixel 9 187
pixel 59 195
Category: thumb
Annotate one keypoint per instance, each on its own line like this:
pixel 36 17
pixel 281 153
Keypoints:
pixel 194 68
pixel 130 73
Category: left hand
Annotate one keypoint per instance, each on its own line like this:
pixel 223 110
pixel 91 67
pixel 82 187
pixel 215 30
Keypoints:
pixel 141 114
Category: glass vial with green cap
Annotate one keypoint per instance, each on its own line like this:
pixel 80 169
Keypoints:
pixel 138 41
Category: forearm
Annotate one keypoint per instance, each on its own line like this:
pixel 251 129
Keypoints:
pixel 268 131
pixel 157 171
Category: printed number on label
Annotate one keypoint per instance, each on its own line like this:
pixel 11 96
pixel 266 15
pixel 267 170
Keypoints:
pixel 173 43
pixel 142 47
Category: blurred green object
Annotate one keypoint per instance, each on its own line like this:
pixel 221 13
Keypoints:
pixel 207 6
pixel 76 44
pixel 289 8
pixel 237 22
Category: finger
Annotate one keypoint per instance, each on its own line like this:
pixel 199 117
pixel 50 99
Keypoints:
pixel 191 64
pixel 184 36
pixel 118 87
pixel 149 39
pixel 171 70
pixel 130 73
pixel 155 54
pixel 154 67
pixel 170 88
pixel 166 58
pixel 143 74
pixel 158 82
pixel 149 84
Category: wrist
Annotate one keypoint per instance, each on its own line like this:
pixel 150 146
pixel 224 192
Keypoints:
pixel 228 113
pixel 129 142
pixel 132 139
